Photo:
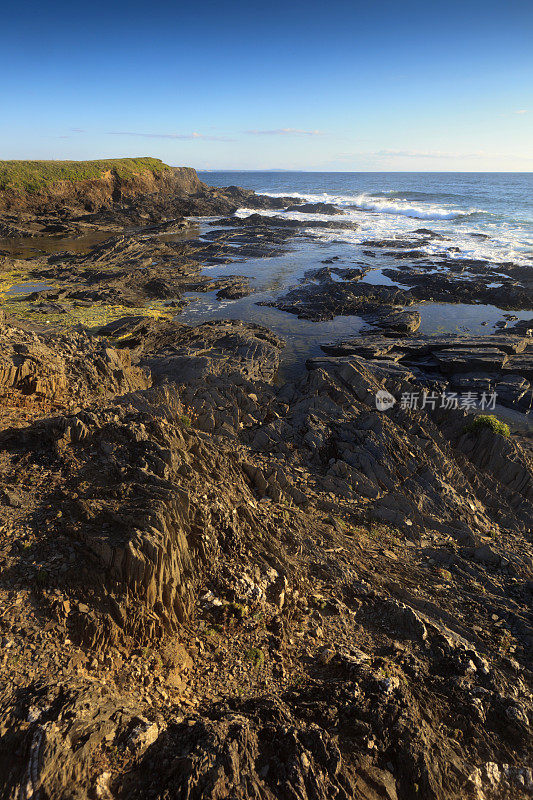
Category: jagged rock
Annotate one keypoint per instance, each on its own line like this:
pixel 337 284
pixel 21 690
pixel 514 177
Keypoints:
pixel 258 750
pixel 199 542
pixel 465 360
pixel 494 781
pixel 520 365
pixel 325 300
pixel 142 736
pixel 498 363
pixel 215 348
pixel 315 208
pixel 487 555
pixel 65 367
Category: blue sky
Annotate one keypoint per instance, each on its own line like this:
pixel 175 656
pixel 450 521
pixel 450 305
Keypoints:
pixel 291 85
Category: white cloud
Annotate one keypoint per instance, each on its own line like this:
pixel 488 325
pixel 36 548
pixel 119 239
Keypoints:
pixel 521 111
pixel 286 132
pixel 182 136
pixel 385 159
pixel 412 154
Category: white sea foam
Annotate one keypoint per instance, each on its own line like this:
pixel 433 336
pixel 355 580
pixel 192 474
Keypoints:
pixel 405 209
pixel 366 202
pixel 382 218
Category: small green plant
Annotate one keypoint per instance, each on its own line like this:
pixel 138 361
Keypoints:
pixel 153 658
pixel 185 420
pixel 386 671
pixel 235 611
pixel 377 533
pixel 255 657
pixel 506 642
pixel 297 681
pixel 488 421
pixel 16 659
pixel 214 630
pixel 41 578
pixel 445 574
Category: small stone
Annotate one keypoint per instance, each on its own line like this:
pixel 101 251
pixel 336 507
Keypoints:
pixel 11 498
pixel 325 654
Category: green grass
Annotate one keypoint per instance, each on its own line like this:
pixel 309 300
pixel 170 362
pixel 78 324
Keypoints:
pixel 255 657
pixel 488 421
pixel 34 176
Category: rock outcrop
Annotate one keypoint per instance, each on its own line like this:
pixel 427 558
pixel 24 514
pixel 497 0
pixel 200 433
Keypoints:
pixel 499 365
pixel 219 583
pixel 102 192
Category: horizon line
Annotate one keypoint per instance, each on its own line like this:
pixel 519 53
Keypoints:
pixel 373 171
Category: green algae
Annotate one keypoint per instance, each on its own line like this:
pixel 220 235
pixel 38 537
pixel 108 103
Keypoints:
pixel 95 316
pixel 66 313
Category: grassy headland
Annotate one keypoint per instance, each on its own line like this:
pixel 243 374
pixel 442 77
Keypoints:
pixel 33 176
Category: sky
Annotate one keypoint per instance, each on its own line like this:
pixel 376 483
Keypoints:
pixel 340 86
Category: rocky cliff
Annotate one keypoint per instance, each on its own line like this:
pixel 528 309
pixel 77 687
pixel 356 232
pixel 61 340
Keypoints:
pixel 52 189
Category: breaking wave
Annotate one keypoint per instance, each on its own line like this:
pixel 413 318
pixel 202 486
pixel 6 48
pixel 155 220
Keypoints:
pixel 366 202
pixel 382 205
pixel 469 233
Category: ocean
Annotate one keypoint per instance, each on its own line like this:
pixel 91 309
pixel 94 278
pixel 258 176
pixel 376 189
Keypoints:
pixel 459 205
pixel 486 216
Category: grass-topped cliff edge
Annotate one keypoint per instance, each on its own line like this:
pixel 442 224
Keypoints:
pixel 80 186
pixel 35 176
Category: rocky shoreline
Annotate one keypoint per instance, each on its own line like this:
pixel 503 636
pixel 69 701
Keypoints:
pixel 216 583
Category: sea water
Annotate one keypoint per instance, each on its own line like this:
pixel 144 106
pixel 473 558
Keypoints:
pixel 487 216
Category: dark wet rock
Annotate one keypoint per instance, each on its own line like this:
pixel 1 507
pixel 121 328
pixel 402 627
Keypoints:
pixel 406 255
pixel 445 288
pixel 382 306
pixel 513 391
pixel 523 328
pixel 429 233
pixel 425 345
pixel 399 243
pixel 381 368
pixel 466 359
pixel 521 364
pixel 327 273
pixel 473 381
pixel 234 290
pixel 396 319
pixel 268 221
pixel 316 208
pixel 249 198
pixel 364 346
pixel 329 299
